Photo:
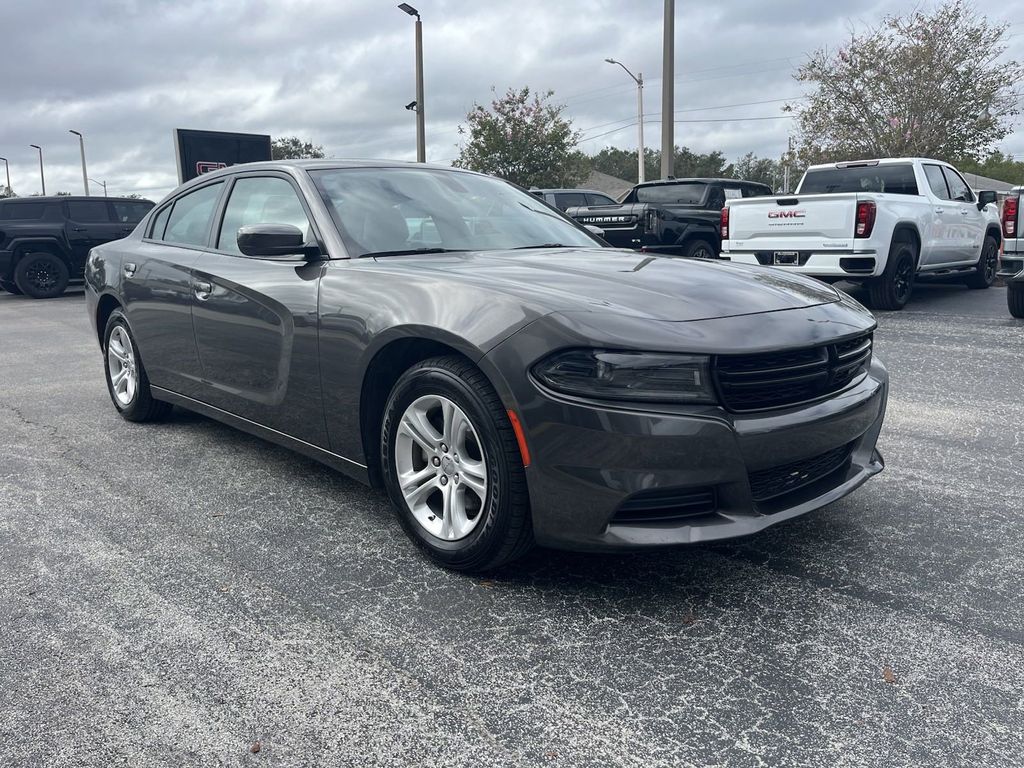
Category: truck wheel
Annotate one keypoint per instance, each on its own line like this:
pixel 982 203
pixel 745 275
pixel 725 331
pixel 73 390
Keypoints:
pixel 10 287
pixel 41 275
pixel 892 290
pixel 699 249
pixel 1015 299
pixel 985 272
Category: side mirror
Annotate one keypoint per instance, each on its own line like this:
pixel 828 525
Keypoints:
pixel 269 240
pixel 594 230
pixel 986 197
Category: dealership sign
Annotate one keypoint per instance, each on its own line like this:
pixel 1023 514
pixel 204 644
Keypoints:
pixel 200 152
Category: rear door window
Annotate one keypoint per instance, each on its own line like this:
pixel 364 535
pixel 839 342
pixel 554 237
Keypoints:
pixel 936 181
pixel 88 211
pixel 190 219
pixel 160 224
pixel 565 200
pixel 130 213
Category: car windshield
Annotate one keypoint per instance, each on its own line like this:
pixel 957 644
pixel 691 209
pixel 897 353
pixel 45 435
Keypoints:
pixel 387 211
pixel 682 194
pixel 897 179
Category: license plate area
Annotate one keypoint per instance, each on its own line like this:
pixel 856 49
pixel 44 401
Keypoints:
pixel 787 258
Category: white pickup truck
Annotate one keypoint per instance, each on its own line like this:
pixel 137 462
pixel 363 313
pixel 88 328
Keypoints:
pixel 879 222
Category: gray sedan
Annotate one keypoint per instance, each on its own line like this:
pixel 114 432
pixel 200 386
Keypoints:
pixel 505 377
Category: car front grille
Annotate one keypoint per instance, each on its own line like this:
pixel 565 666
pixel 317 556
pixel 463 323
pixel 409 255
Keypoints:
pixel 770 483
pixel 666 505
pixel 778 379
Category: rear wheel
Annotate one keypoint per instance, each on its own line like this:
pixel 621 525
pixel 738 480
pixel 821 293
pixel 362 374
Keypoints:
pixel 985 272
pixel 452 466
pixel 41 275
pixel 1015 299
pixel 699 249
pixel 126 377
pixel 11 287
pixel 892 290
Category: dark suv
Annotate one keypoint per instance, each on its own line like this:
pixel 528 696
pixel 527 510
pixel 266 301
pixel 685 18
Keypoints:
pixel 44 241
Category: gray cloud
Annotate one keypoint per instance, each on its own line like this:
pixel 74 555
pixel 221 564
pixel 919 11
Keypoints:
pixel 126 73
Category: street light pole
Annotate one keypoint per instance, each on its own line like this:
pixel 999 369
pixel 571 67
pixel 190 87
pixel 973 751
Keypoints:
pixel 102 184
pixel 639 80
pixel 85 175
pixel 421 141
pixel 8 167
pixel 668 84
pixel 42 179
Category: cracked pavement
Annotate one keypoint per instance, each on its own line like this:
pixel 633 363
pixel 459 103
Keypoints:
pixel 173 594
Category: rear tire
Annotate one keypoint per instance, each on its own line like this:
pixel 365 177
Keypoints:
pixel 892 290
pixel 699 249
pixel 10 287
pixel 127 382
pixel 985 272
pixel 41 275
pixel 447 440
pixel 1015 299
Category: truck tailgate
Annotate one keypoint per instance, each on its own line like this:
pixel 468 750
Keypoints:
pixel 797 220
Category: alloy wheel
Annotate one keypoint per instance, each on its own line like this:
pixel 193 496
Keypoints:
pixel 441 467
pixel 121 366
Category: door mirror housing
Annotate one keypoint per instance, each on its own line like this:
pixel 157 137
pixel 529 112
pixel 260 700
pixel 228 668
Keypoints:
pixel 594 230
pixel 986 197
pixel 273 241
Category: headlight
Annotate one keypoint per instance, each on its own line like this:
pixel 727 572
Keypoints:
pixel 644 376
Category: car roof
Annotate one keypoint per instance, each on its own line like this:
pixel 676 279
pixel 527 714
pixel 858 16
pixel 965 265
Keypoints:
pixel 700 180
pixel 864 162
pixel 573 189
pixel 71 198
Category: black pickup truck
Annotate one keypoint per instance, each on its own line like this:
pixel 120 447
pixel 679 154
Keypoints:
pixel 44 241
pixel 675 216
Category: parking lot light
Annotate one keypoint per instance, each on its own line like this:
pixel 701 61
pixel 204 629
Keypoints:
pixel 421 145
pixel 639 80
pixel 42 178
pixel 102 184
pixel 8 167
pixel 81 146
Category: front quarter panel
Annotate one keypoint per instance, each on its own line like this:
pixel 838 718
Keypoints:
pixel 365 305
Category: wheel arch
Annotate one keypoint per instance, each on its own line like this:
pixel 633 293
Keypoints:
pixel 23 246
pixel 105 307
pixel 993 231
pixel 906 232
pixel 387 362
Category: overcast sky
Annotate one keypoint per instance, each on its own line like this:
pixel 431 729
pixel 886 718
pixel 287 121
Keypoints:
pixel 339 72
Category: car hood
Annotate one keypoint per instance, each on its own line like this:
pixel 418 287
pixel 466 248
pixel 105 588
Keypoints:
pixel 624 282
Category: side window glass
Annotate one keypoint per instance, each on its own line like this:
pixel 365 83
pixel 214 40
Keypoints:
pixel 937 183
pixel 570 200
pixel 130 213
pixel 599 200
pixel 88 211
pixel 189 222
pixel 160 223
pixel 958 188
pixel 260 200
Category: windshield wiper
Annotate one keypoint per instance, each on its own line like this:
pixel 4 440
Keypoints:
pixel 412 252
pixel 542 245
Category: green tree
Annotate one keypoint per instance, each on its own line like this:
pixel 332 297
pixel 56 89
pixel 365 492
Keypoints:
pixel 294 148
pixel 995 166
pixel 762 169
pixel 926 83
pixel 523 138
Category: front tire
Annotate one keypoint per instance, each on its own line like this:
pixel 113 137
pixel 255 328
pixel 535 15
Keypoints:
pixel 41 275
pixel 985 272
pixel 127 382
pixel 10 287
pixel 892 290
pixel 699 249
pixel 1015 299
pixel 452 466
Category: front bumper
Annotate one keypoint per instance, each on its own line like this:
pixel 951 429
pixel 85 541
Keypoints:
pixel 850 265
pixel 591 462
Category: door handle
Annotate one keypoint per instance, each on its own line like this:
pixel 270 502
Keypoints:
pixel 940 211
pixel 79 229
pixel 129 269
pixel 202 290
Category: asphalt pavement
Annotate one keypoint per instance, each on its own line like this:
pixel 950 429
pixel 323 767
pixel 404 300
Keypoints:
pixel 182 594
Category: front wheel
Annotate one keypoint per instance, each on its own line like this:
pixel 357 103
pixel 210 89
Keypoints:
pixel 11 287
pixel 699 249
pixel 126 377
pixel 41 275
pixel 1015 299
pixel 984 273
pixel 892 290
pixel 452 466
